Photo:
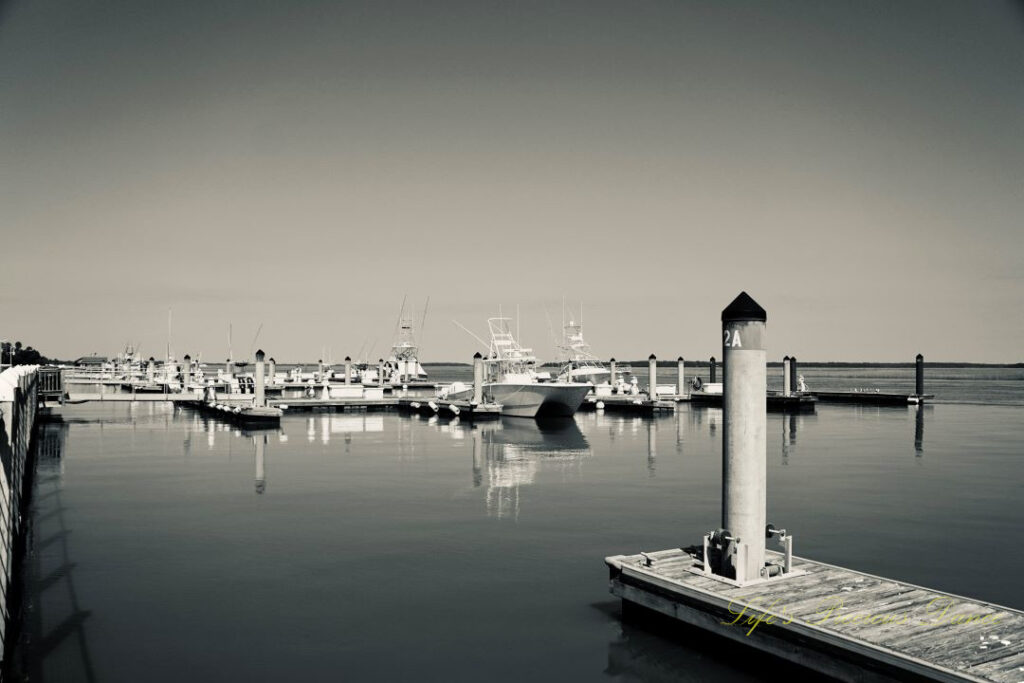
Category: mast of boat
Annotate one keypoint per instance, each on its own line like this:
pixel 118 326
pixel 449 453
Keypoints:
pixel 423 325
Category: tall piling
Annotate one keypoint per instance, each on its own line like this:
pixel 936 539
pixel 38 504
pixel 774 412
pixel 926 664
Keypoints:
pixel 714 370
pixel 787 381
pixel 652 373
pixel 348 370
pixel 186 373
pixel 380 372
pixel 478 378
pixel 793 385
pixel 919 379
pixel 272 371
pixel 611 376
pixel 319 369
pixel 680 376
pixel 150 368
pixel 744 439
pixel 261 398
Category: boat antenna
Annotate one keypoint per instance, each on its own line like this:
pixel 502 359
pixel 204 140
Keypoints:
pixel 423 320
pixel 551 331
pixel 471 334
pixel 398 323
pixel 258 330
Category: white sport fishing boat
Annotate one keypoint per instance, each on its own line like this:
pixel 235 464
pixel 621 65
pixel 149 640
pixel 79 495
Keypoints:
pixel 403 364
pixel 513 381
pixel 581 365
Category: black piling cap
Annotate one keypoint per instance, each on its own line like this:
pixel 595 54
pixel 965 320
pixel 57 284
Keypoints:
pixel 744 308
pixel 347 359
pixel 477 355
pixel 920 358
pixel 679 360
pixel 712 359
pixel 652 357
pixel 792 359
pixel 260 355
pixel 380 360
pixel 613 360
pixel 272 360
pixel 785 358
pixel 187 357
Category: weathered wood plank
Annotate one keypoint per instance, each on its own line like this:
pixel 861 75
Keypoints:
pixel 874 618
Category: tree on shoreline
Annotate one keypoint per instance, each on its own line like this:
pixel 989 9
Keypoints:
pixel 16 354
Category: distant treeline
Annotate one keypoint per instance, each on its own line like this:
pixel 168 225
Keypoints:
pixel 16 354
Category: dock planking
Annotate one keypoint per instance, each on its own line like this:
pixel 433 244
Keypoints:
pixel 838 621
pixel 626 403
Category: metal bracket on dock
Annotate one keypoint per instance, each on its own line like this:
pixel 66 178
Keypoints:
pixel 725 557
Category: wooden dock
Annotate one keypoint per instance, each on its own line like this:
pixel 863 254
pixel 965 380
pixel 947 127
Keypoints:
pixel 627 403
pixel 840 622
pixel 132 398
pixel 776 402
pixel 871 398
pixel 461 409
pixel 333 405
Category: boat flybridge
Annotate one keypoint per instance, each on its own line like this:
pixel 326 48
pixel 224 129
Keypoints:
pixel 581 365
pixel 512 379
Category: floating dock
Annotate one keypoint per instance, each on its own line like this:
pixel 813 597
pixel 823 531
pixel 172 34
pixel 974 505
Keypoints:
pixel 839 622
pixel 775 402
pixel 626 403
pixel 461 409
pixel 872 398
pixel 246 415
pixel 334 405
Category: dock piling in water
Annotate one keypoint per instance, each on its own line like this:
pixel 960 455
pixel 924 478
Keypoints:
pixel 261 398
pixel 787 381
pixel 680 375
pixel 919 379
pixel 714 371
pixel 380 372
pixel 478 378
pixel 271 371
pixel 744 440
pixel 611 376
pixel 348 370
pixel 186 372
pixel 652 372
pixel 793 384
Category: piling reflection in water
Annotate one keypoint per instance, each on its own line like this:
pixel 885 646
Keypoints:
pixel 260 441
pixel 919 429
pixel 652 446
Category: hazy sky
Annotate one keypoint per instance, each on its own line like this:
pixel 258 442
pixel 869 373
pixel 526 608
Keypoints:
pixel 857 167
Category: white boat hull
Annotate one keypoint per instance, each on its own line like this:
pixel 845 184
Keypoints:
pixel 537 399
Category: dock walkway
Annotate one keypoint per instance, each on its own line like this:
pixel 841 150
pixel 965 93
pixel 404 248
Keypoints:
pixel 841 622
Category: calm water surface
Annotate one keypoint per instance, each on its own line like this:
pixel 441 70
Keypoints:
pixel 366 547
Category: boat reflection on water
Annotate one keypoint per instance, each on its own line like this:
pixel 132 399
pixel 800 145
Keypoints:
pixel 331 424
pixel 508 454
